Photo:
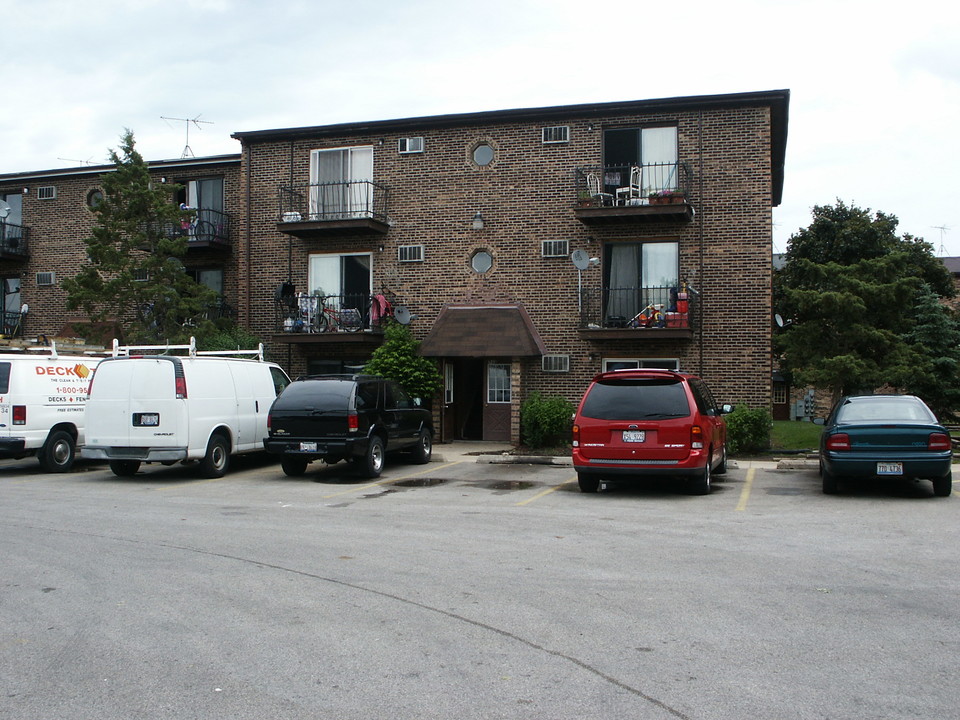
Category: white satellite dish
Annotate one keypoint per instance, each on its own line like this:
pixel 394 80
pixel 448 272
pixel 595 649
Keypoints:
pixel 402 315
pixel 4 209
pixel 581 259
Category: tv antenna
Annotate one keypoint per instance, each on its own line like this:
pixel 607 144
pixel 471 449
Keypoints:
pixel 942 229
pixel 88 161
pixel 187 152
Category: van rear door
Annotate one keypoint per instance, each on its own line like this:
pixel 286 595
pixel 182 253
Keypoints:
pixel 157 417
pixel 5 418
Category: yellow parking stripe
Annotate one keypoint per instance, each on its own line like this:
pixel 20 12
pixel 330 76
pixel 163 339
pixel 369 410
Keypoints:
pixel 745 493
pixel 547 491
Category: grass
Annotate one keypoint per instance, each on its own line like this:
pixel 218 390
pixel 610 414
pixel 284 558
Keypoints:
pixel 791 435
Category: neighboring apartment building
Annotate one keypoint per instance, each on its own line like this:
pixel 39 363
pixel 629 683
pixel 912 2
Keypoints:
pixel 47 216
pixel 529 248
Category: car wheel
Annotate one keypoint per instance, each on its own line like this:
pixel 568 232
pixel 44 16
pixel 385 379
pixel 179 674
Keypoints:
pixel 124 468
pixel 423 450
pixel 372 463
pixel 58 453
pixel 217 459
pixel 830 485
pixel 588 483
pixel 293 466
pixel 700 485
pixel 943 487
pixel 721 469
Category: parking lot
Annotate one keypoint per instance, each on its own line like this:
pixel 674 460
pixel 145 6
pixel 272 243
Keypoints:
pixel 472 590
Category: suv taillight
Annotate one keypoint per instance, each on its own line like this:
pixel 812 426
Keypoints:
pixel 838 441
pixel 939 441
pixel 353 422
pixel 696 437
pixel 19 414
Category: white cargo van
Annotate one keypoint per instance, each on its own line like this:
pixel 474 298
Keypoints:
pixel 42 399
pixel 202 405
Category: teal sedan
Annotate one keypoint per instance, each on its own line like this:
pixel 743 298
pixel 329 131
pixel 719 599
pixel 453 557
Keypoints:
pixel 884 436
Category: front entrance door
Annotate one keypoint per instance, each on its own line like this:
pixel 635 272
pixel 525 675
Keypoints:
pixel 476 400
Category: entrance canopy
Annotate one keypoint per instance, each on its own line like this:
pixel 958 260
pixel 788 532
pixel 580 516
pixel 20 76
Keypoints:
pixel 483 331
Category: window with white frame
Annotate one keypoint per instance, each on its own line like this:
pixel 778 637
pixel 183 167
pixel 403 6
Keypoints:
pixel 344 278
pixel 555 248
pixel 498 383
pixel 636 363
pixel 637 276
pixel 341 183
pixel 556 134
pixel 408 145
pixel 410 253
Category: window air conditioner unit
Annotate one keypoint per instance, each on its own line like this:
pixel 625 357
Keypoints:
pixel 555 248
pixel 46 279
pixel 410 145
pixel 556 134
pixel 555 363
pixel 410 253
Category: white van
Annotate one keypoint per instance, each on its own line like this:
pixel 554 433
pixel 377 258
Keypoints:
pixel 42 398
pixel 205 405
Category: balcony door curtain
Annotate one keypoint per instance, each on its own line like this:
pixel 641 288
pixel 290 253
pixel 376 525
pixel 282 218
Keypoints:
pixel 206 195
pixel 340 183
pixel 345 279
pixel 638 275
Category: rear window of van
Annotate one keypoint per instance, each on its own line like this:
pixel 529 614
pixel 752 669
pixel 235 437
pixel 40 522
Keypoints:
pixel 636 400
pixel 4 378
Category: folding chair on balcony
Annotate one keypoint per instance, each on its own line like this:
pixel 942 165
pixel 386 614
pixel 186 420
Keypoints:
pixel 632 194
pixel 596 191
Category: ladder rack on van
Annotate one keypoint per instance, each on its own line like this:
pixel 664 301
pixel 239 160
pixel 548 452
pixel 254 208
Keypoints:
pixel 125 350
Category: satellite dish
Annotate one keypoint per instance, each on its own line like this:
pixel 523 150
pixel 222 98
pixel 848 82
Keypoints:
pixel 778 319
pixel 581 259
pixel 402 315
pixel 4 209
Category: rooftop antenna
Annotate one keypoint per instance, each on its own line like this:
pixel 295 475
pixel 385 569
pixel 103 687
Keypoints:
pixel 88 161
pixel 942 229
pixel 187 152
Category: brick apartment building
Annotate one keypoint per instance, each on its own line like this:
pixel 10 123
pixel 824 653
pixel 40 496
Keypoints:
pixel 529 248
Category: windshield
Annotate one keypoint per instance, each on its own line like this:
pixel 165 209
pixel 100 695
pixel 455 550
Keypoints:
pixel 884 409
pixel 636 400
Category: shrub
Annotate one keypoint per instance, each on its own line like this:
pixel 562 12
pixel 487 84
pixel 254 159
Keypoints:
pixel 545 422
pixel 748 431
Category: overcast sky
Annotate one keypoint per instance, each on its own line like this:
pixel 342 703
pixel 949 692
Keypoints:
pixel 875 85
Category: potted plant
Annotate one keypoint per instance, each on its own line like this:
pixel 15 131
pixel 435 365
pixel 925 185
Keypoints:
pixel 664 197
pixel 585 199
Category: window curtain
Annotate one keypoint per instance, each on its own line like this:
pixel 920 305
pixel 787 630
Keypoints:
pixel 640 274
pixel 658 147
pixel 623 280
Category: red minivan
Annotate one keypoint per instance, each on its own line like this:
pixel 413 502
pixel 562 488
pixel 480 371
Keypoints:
pixel 647 422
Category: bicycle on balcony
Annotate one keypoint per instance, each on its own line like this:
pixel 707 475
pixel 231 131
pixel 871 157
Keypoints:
pixel 325 313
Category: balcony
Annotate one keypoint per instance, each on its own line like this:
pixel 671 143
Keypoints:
pixel 312 319
pixel 649 313
pixel 334 208
pixel 13 241
pixel 633 194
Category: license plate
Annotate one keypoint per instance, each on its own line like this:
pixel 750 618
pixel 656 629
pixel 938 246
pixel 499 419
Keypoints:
pixel 889 468
pixel 308 447
pixel 146 419
pixel 634 435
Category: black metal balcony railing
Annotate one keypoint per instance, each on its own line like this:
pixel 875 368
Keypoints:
pixel 353 312
pixel 12 323
pixel 334 201
pixel 623 185
pixel 13 239
pixel 209 227
pixel 648 308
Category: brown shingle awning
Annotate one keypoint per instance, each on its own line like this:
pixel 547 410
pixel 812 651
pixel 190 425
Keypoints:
pixel 483 331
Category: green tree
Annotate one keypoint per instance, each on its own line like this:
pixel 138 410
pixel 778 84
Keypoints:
pixel 851 287
pixel 135 274
pixel 399 359
pixel 935 337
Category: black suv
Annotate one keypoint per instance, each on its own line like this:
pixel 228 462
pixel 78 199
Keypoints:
pixel 346 417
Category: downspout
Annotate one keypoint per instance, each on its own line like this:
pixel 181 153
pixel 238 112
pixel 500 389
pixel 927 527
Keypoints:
pixel 248 233
pixel 700 231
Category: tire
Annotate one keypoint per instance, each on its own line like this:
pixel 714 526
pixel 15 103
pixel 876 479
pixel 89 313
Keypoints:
pixel 423 450
pixel 124 468
pixel 700 484
pixel 829 480
pixel 943 487
pixel 293 466
pixel 371 464
pixel 217 460
pixel 721 469
pixel 58 453
pixel 322 323
pixel 588 483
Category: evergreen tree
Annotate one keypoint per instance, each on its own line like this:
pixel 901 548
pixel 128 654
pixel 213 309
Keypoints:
pixel 135 274
pixel 852 288
pixel 399 359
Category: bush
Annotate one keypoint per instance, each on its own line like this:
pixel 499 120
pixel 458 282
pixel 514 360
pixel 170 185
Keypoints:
pixel 748 431
pixel 545 422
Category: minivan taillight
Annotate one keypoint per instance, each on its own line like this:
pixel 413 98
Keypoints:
pixel 696 437
pixel 19 414
pixel 353 422
pixel 838 441
pixel 939 441
pixel 180 384
pixel 576 436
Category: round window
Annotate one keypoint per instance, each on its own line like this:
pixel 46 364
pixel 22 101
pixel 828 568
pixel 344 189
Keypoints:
pixel 483 154
pixel 481 261
pixel 94 198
